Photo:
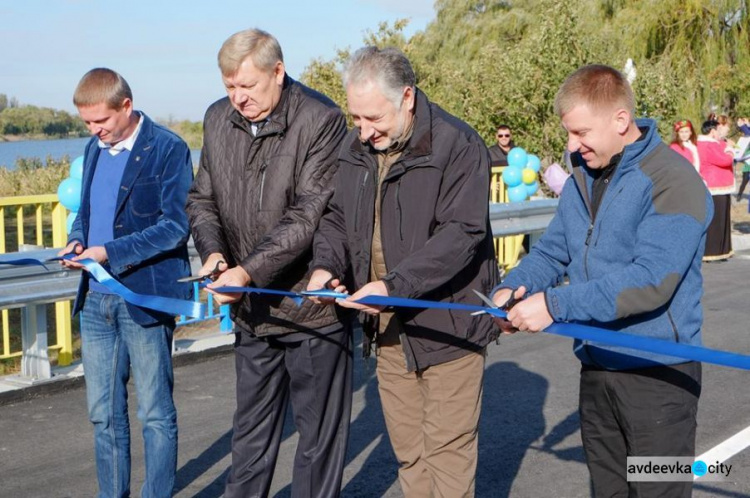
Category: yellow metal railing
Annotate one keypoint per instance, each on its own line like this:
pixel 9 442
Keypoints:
pixel 49 217
pixel 507 249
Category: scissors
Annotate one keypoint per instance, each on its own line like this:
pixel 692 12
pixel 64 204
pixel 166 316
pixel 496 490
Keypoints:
pixel 199 278
pixel 487 301
pixel 506 307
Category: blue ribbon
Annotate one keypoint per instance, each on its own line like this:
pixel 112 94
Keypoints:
pixel 572 330
pixel 164 304
pixel 24 262
pixel 296 297
pixel 668 348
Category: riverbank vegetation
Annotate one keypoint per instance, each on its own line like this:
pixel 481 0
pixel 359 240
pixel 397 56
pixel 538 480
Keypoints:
pixel 27 121
pixel 33 176
pixel 190 131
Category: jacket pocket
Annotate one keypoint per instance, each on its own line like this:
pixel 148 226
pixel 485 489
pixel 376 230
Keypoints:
pixel 146 197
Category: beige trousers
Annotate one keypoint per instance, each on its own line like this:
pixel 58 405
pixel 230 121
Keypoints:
pixel 432 418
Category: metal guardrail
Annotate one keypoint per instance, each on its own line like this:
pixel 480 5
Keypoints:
pixel 521 217
pixel 40 218
pixel 32 287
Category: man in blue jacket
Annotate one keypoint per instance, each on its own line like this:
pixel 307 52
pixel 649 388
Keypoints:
pixel 629 234
pixel 132 220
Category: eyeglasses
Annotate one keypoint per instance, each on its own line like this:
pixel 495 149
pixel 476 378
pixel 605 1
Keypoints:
pixel 503 135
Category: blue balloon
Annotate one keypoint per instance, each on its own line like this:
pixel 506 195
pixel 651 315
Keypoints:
pixel 76 168
pixel 517 157
pixel 517 193
pixel 70 220
pixel 533 162
pixel 69 193
pixel 512 176
pixel 531 189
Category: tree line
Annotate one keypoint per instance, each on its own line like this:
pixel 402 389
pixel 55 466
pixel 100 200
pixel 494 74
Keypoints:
pixel 495 62
pixel 29 120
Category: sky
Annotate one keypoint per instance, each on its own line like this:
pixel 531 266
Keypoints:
pixel 166 49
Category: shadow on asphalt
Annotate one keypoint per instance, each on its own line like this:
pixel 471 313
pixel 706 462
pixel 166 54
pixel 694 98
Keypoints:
pixel 512 420
pixel 512 423
pixel 193 469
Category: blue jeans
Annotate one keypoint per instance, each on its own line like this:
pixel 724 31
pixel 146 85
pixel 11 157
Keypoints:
pixel 112 344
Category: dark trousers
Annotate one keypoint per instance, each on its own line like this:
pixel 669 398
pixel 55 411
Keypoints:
pixel 315 374
pixel 745 179
pixel 644 412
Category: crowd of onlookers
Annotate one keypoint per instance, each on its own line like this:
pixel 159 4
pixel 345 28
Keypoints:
pixel 714 153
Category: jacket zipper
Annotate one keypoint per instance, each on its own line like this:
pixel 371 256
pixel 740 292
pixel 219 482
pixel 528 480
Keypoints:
pixel 586 251
pixel 674 327
pixel 262 184
pixel 360 194
pixel 400 212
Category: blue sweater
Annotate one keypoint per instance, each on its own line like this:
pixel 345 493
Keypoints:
pixel 635 267
pixel 104 189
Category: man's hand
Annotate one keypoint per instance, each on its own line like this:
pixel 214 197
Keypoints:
pixel 97 253
pixel 500 299
pixel 74 247
pixel 211 264
pixel 323 279
pixel 233 277
pixel 376 288
pixel 531 314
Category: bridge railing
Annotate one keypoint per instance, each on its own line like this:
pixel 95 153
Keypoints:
pixel 36 220
pixel 32 288
pixel 507 248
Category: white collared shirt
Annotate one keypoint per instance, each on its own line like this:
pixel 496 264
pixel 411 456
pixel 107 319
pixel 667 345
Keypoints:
pixel 128 143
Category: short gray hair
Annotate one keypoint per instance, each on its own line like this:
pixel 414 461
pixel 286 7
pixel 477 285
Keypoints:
pixel 256 43
pixel 388 67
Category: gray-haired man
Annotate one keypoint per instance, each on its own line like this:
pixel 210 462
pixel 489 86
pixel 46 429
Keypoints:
pixel 409 218
pixel 266 174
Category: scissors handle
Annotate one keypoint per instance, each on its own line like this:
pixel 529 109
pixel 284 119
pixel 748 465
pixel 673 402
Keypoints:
pixel 200 278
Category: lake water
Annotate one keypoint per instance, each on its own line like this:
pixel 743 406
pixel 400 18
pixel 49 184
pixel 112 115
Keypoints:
pixel 71 147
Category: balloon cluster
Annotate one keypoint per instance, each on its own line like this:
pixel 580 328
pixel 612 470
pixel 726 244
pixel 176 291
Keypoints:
pixel 521 174
pixel 69 191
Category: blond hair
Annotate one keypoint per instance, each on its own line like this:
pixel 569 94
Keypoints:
pixel 597 86
pixel 261 46
pixel 102 85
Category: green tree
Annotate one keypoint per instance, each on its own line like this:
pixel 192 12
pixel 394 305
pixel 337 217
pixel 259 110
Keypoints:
pixel 499 61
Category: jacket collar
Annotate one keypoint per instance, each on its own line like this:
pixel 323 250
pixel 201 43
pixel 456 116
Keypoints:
pixel 630 157
pixel 276 122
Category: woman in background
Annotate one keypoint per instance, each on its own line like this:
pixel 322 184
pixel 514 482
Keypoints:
pixel 684 142
pixel 743 124
pixel 716 168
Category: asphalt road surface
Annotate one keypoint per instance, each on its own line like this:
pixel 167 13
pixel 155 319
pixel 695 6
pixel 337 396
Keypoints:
pixel 530 443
